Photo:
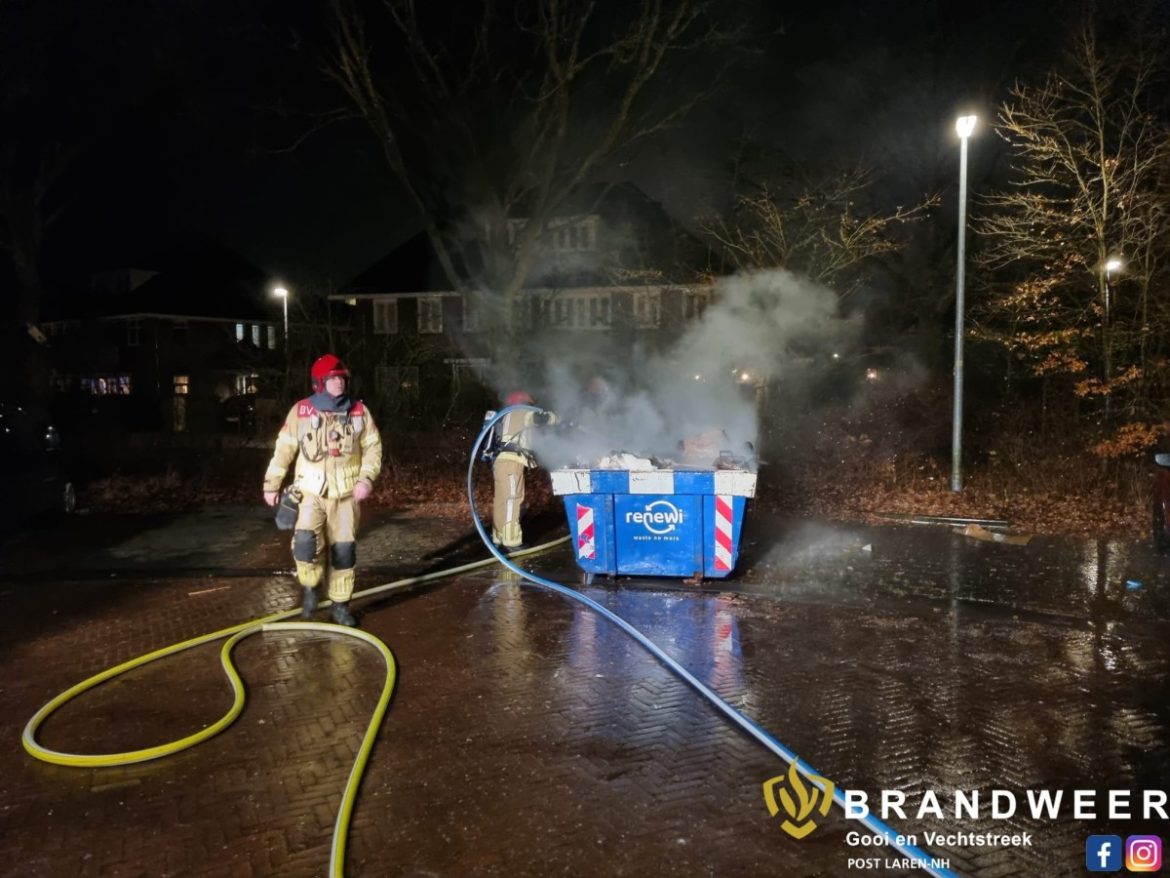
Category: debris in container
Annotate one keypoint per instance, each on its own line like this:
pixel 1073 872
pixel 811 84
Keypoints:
pixel 703 449
pixel 710 450
pixel 625 460
pixel 981 533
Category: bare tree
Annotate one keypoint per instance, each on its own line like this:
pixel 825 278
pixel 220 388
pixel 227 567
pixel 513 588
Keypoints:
pixel 1078 242
pixel 817 228
pixel 498 119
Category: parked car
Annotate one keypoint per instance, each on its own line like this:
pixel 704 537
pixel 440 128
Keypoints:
pixel 39 474
pixel 1160 528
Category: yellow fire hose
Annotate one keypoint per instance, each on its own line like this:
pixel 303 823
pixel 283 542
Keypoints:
pixel 236 633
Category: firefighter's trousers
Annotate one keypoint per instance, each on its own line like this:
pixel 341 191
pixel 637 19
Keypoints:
pixel 324 543
pixel 506 502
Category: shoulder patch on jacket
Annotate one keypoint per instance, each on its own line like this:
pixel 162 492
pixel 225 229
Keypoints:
pixel 357 409
pixel 305 409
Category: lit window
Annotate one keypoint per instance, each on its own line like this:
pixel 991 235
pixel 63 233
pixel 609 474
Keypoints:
pixel 256 335
pixel 182 384
pixel 107 385
pixel 271 338
pixel 385 317
pixel 239 332
pixel 246 382
pixel 430 315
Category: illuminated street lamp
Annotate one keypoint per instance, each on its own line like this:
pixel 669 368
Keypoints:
pixel 282 294
pixel 964 126
pixel 1112 266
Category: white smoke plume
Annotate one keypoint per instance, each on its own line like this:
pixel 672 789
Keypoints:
pixel 759 328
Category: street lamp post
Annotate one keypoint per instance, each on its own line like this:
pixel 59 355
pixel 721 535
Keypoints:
pixel 1112 265
pixel 282 294
pixel 964 125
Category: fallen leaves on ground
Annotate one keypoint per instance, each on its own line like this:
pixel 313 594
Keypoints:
pixel 1040 499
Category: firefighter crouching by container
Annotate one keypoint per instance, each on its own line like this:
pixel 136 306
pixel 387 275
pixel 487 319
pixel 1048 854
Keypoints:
pixel 512 456
pixel 338 454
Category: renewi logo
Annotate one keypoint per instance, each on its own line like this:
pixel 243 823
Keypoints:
pixel 797 796
pixel 661 517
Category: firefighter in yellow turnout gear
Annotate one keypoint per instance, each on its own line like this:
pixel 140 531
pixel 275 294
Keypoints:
pixel 513 455
pixel 337 451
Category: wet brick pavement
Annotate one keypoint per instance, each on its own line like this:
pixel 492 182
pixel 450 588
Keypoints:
pixel 527 736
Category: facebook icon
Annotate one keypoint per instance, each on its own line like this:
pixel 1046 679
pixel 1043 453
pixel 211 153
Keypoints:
pixel 1103 853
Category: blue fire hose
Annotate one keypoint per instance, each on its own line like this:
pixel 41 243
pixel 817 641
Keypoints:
pixel 921 858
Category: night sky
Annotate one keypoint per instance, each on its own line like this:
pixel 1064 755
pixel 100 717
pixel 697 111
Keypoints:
pixel 189 109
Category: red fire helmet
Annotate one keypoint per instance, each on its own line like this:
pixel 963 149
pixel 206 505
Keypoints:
pixel 325 367
pixel 520 397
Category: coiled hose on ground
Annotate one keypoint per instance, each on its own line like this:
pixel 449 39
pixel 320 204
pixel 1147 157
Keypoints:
pixel 234 635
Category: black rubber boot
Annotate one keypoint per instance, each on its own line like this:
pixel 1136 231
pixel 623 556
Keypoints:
pixel 342 615
pixel 309 604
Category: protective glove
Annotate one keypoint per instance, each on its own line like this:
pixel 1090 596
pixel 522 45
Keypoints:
pixel 361 491
pixel 271 497
pixel 544 417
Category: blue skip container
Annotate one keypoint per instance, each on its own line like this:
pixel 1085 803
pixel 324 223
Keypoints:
pixel 657 522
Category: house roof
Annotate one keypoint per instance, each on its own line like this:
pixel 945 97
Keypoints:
pixel 646 232
pixel 210 282
pixel 412 267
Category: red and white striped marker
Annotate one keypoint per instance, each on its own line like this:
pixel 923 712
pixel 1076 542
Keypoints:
pixel 586 547
pixel 723 541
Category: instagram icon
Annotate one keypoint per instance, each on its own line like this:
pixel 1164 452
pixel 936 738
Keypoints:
pixel 1143 853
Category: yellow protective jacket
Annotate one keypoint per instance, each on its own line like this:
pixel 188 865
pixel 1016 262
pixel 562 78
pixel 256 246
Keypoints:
pixel 333 450
pixel 515 432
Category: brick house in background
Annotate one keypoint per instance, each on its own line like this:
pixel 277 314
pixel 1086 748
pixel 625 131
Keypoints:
pixel 179 350
pixel 622 270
